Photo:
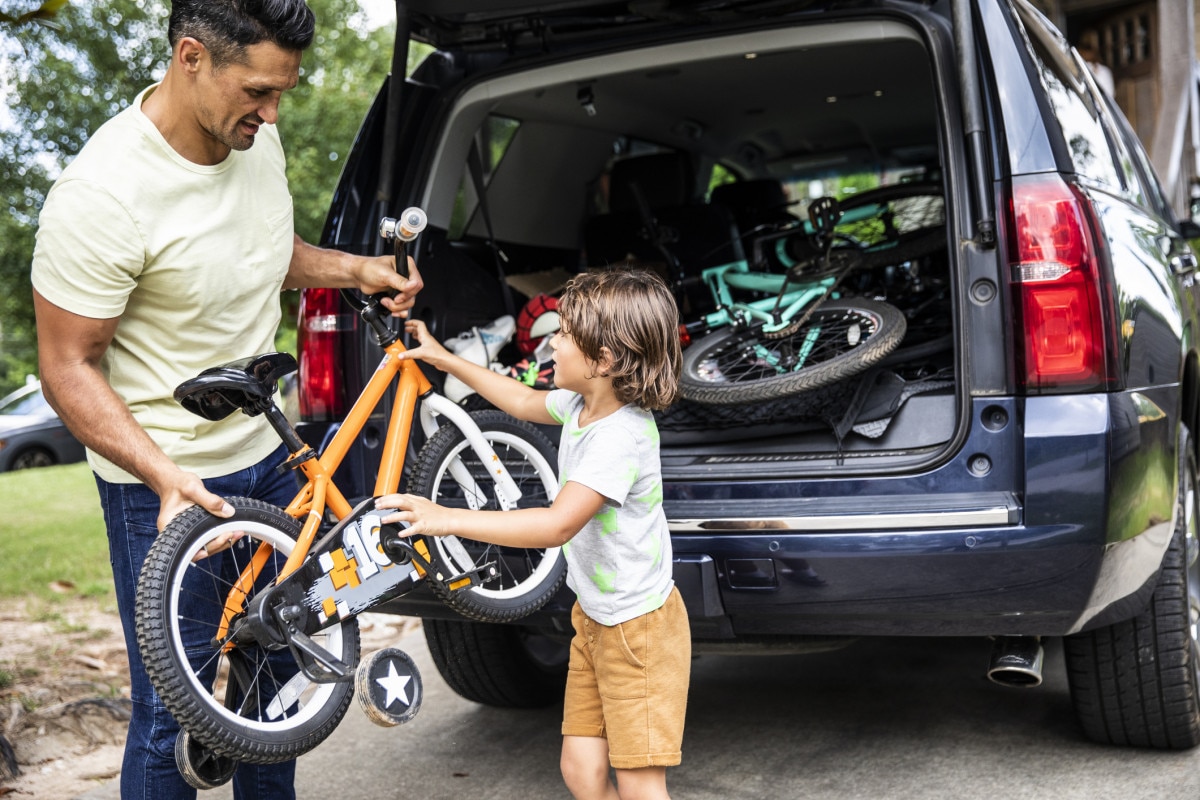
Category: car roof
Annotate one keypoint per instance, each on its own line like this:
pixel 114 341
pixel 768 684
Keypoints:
pixel 499 23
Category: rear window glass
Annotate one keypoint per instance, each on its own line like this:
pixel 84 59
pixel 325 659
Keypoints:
pixel 1079 116
pixel 491 144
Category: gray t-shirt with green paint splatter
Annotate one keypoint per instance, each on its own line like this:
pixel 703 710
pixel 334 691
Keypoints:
pixel 619 565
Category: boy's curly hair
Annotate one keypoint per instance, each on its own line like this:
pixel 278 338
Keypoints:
pixel 632 313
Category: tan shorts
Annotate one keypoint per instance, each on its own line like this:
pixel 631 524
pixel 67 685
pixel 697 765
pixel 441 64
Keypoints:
pixel 628 683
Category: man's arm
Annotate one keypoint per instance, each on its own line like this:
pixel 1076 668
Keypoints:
pixel 69 351
pixel 317 267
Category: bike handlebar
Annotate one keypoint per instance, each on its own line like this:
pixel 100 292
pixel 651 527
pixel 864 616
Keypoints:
pixel 400 231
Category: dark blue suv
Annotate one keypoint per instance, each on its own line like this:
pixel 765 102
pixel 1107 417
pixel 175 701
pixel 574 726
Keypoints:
pixel 1015 461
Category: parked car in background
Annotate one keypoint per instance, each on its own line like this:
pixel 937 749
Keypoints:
pixel 1023 465
pixel 31 434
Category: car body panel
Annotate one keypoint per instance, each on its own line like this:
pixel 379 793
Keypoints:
pixel 1039 515
pixel 28 425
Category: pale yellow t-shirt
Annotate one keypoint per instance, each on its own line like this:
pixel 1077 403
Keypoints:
pixel 190 257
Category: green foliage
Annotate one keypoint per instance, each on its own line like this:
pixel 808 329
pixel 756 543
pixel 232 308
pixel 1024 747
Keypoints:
pixel 318 120
pixel 64 78
pixel 43 14
pixel 56 533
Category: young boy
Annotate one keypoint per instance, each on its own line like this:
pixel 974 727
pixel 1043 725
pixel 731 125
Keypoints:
pixel 617 358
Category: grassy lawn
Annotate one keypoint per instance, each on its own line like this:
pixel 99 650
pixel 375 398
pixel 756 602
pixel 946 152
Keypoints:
pixel 52 534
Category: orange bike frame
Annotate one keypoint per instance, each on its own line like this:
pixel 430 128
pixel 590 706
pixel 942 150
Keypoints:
pixel 320 492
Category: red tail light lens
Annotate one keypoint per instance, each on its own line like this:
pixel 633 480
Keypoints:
pixel 321 388
pixel 1057 288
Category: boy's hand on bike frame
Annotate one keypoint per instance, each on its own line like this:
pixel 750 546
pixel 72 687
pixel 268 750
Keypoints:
pixel 428 349
pixel 425 517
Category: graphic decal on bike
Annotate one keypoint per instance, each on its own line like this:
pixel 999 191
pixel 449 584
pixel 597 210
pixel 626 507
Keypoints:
pixel 357 575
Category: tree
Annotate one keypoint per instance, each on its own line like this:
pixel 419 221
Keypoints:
pixel 319 119
pixel 64 79
pixel 42 15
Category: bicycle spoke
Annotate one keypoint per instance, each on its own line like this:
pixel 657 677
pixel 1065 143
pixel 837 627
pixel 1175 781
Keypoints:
pixel 747 358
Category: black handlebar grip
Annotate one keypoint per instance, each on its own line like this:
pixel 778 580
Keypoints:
pixel 400 231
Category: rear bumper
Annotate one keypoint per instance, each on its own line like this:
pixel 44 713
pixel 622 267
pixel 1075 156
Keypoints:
pixel 1064 531
pixel 965 582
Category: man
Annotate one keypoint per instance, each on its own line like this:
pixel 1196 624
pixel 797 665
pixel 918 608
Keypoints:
pixel 1089 49
pixel 161 251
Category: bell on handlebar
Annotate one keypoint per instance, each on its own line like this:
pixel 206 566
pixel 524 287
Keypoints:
pixel 406 227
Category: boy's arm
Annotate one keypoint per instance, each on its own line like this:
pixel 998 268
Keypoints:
pixel 523 527
pixel 506 394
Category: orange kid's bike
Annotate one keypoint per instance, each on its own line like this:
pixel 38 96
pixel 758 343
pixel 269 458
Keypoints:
pixel 247 625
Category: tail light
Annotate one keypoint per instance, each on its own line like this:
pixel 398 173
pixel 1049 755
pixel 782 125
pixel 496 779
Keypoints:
pixel 321 388
pixel 1058 290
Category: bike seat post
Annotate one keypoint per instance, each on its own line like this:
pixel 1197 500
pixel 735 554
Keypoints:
pixel 279 423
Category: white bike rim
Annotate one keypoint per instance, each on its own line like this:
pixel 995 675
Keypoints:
pixel 545 471
pixel 333 636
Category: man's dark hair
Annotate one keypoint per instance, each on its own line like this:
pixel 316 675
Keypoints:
pixel 228 27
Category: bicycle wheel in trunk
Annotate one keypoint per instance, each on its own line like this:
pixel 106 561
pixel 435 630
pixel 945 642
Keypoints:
pixel 841 338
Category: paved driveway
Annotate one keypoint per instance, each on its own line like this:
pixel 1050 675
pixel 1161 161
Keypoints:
pixel 910 719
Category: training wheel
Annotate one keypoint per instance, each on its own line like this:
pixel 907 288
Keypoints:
pixel 199 766
pixel 388 686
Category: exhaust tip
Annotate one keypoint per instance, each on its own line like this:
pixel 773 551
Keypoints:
pixel 1016 661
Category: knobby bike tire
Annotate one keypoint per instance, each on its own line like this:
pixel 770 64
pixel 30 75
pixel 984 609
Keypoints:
pixel 204 691
pixel 528 577
pixel 842 338
pixel 910 246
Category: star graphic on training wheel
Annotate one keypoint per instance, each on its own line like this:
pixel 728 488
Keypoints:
pixel 395 685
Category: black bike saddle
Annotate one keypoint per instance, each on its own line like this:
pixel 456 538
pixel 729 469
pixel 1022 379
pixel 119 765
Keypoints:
pixel 245 384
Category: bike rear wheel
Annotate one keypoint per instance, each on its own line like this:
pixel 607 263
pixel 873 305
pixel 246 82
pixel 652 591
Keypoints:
pixel 528 577
pixel 235 697
pixel 841 338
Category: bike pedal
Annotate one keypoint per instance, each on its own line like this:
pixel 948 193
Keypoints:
pixel 389 688
pixel 475 577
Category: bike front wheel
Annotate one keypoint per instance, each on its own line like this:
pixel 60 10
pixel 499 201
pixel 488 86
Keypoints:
pixel 527 577
pixel 233 695
pixel 842 338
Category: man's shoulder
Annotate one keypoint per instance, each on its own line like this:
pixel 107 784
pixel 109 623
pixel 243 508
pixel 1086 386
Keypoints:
pixel 109 153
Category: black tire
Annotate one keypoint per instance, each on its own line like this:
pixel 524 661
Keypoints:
pixel 528 577
pixel 174 591
pixel 842 337
pixel 506 666
pixel 33 458
pixel 200 767
pixel 908 212
pixel 1138 682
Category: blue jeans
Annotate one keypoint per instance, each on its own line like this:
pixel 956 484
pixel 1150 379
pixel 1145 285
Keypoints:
pixel 148 771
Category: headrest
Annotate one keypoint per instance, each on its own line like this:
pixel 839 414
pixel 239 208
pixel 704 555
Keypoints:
pixel 664 179
pixel 752 202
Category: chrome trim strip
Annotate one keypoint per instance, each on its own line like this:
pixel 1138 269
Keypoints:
pixel 960 518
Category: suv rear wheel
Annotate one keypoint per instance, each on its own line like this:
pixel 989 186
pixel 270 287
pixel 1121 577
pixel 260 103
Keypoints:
pixel 498 665
pixel 1138 682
